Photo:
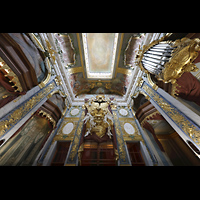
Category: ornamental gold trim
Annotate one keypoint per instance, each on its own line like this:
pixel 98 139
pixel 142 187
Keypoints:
pixel 127 72
pixel 189 128
pixel 11 75
pixel 184 53
pixel 140 53
pixel 130 137
pixel 74 70
pixel 51 52
pixel 15 116
pixel 48 117
pixel 69 137
pixel 149 116
pixel 181 61
pixel 76 140
pixel 121 143
pixel 47 79
pixel 36 42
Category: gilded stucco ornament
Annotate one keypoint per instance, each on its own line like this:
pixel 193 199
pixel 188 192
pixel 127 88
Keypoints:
pixel 140 53
pixel 98 119
pixel 185 124
pixel 14 117
pixel 181 60
pixel 51 55
pixel 184 53
pixel 50 51
pixel 11 75
pixel 48 117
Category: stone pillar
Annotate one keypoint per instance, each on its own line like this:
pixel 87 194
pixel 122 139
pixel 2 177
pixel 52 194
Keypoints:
pixel 20 111
pixel 184 121
pixel 72 156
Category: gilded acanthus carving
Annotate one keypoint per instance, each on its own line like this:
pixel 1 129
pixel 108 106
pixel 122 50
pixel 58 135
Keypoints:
pixel 168 60
pixel 185 53
pixel 98 119
pixel 11 75
pixel 121 144
pixel 76 140
pixel 187 126
pixel 48 117
pixel 10 120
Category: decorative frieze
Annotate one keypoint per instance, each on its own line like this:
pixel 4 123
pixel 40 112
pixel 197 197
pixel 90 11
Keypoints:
pixel 189 127
pixel 12 118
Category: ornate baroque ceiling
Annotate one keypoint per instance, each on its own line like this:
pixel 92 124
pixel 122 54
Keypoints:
pixel 98 63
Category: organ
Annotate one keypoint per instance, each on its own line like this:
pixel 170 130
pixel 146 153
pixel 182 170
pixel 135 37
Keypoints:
pixel 168 60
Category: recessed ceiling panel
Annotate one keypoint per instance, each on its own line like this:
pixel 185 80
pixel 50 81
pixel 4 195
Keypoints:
pixel 100 53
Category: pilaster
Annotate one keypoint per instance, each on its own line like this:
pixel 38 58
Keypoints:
pixel 184 121
pixel 72 156
pixel 124 159
pixel 24 109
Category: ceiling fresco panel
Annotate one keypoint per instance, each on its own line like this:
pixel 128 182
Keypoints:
pixel 104 62
pixel 100 49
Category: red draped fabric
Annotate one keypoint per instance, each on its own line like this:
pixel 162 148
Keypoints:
pixel 190 88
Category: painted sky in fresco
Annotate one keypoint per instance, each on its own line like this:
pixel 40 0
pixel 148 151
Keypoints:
pixel 100 50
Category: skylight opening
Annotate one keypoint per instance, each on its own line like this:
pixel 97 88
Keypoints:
pixel 100 53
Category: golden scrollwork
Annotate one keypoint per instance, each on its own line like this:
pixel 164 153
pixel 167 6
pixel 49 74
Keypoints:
pixel 154 86
pixel 51 51
pixel 75 143
pixel 36 42
pixel 98 119
pixel 48 117
pixel 181 61
pixel 140 53
pixel 19 113
pixel 149 116
pixel 175 90
pixel 58 80
pixel 11 75
pixel 47 79
pixel 184 53
pixel 121 146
